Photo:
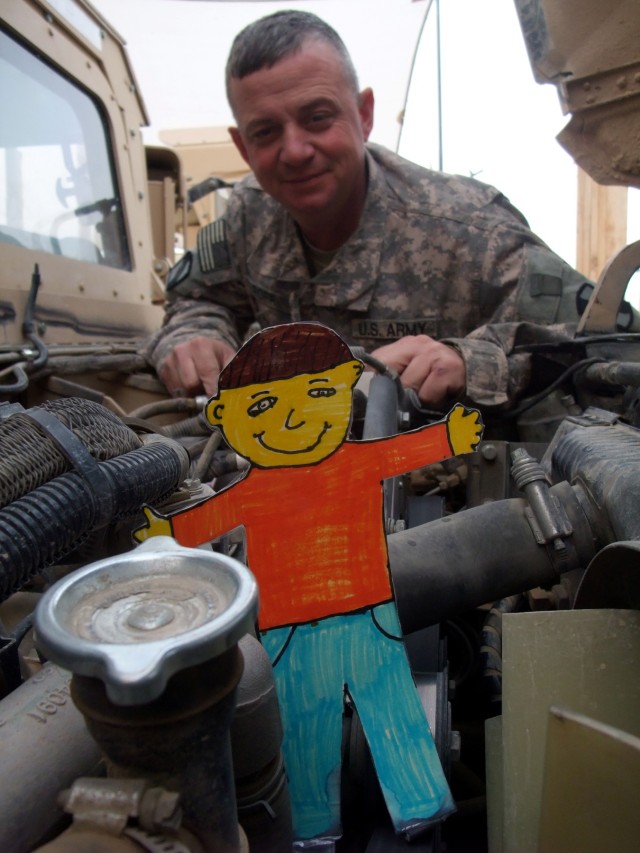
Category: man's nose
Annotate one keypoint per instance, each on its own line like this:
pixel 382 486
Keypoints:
pixel 296 145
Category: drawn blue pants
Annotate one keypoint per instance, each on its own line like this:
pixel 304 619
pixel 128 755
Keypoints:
pixel 313 663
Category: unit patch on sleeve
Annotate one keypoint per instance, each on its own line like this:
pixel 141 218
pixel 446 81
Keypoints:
pixel 213 250
pixel 180 271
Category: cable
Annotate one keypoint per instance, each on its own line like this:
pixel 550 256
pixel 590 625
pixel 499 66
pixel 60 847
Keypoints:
pixel 531 401
pixel 411 70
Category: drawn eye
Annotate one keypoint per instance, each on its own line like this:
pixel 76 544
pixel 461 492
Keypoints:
pixel 261 406
pixel 322 392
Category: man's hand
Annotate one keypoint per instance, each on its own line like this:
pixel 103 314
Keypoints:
pixel 194 366
pixel 465 429
pixel 157 525
pixel 435 371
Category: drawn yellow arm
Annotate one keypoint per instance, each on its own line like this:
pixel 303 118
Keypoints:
pixel 157 525
pixel 464 427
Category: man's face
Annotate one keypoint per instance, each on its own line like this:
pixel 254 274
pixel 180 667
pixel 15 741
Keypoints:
pixel 302 129
pixel 288 422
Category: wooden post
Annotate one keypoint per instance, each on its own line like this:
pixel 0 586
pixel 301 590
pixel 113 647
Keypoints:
pixel 601 225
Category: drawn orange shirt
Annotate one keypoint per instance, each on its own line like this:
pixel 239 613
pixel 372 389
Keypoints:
pixel 315 534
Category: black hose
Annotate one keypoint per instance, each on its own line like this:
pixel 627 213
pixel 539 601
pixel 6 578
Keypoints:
pixel 381 417
pixel 30 456
pixel 29 325
pixel 491 647
pixel 190 405
pixel 40 528
pixel 446 567
pixel 205 461
pixel 197 425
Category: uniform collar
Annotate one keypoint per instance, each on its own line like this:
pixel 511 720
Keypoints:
pixel 356 264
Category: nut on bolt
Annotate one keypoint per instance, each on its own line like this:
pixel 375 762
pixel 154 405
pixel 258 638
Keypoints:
pixel 159 809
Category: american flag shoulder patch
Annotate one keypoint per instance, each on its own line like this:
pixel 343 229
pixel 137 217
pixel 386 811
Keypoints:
pixel 213 250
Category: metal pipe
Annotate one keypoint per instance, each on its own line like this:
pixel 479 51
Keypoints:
pixel 179 742
pixel 45 747
pixel 264 808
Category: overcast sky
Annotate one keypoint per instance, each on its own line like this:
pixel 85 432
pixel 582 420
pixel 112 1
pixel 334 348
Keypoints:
pixel 498 124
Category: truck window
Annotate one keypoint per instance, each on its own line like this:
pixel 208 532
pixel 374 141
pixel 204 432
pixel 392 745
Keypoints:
pixel 57 188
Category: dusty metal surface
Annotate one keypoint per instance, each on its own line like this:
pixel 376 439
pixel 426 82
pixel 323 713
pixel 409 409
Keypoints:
pixel 590 51
pixel 590 784
pixel 586 661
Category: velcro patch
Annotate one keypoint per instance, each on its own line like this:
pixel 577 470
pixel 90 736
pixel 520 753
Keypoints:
pixel 545 285
pixel 213 250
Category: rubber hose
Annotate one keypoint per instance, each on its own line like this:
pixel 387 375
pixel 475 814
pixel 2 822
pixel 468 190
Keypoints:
pixel 29 457
pixel 191 426
pixel 447 566
pixel 381 418
pixel 40 528
pixel 491 647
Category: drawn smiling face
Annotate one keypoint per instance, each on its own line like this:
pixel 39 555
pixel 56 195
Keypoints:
pixel 288 422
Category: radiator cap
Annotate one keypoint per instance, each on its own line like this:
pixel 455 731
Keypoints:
pixel 135 619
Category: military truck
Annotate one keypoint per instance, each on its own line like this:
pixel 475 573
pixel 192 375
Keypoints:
pixel 515 568
pixel 90 215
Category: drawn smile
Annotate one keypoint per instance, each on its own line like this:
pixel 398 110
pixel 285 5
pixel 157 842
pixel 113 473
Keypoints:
pixel 260 437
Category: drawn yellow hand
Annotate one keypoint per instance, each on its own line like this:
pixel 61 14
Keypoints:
pixel 465 429
pixel 157 525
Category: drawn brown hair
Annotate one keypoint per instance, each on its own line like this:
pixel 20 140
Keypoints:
pixel 281 352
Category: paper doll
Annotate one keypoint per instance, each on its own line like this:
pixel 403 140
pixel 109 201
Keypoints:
pixel 311 504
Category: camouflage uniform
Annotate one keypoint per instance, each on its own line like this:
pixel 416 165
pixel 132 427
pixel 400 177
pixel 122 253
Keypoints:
pixel 434 254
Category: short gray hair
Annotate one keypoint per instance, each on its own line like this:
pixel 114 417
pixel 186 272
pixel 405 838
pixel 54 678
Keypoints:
pixel 268 40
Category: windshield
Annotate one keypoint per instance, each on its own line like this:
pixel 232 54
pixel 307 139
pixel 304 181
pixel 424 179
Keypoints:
pixel 57 187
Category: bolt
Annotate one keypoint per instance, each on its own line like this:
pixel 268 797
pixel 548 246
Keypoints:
pixel 489 452
pixel 192 484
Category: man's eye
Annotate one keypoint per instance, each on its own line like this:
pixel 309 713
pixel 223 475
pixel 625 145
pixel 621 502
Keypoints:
pixel 261 406
pixel 320 120
pixel 322 392
pixel 263 134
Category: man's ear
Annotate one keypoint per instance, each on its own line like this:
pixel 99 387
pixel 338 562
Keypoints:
pixel 365 108
pixel 234 133
pixel 214 412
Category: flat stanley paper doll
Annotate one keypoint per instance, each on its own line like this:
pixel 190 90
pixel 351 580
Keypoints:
pixel 312 507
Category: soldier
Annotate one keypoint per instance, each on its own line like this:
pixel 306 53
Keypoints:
pixel 432 274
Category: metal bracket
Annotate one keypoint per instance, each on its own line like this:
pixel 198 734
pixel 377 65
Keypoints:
pixel 602 309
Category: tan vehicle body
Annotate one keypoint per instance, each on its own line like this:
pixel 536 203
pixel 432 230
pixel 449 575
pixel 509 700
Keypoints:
pixel 87 302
